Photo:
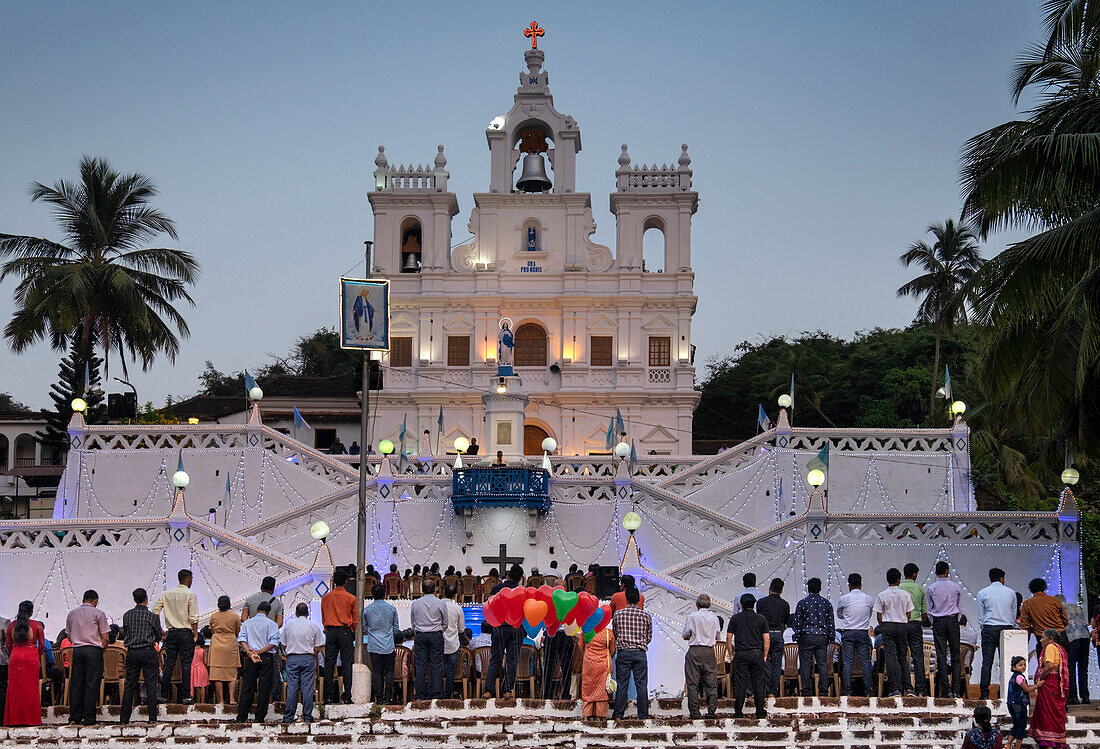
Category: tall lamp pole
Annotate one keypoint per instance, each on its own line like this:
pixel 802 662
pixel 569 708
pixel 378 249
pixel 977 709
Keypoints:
pixel 361 529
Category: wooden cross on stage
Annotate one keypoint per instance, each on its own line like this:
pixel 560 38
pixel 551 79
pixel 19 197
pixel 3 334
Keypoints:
pixel 503 562
pixel 533 33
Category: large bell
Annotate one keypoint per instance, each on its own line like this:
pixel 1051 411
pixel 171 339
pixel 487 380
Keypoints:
pixel 533 178
pixel 412 263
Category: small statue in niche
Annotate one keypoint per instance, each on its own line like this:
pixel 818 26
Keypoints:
pixel 532 239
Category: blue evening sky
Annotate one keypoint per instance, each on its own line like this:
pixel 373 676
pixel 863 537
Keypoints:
pixel 824 138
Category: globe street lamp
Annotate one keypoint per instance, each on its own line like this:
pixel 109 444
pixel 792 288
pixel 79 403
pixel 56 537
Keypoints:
pixel 622 450
pixel 632 521
pixel 256 393
pixel 79 405
pixel 958 408
pixel 385 447
pixel 180 479
pixel 462 445
pixel 319 531
pixel 1070 476
pixel 785 401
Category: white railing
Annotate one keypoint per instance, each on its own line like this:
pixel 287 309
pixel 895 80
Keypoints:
pixel 660 376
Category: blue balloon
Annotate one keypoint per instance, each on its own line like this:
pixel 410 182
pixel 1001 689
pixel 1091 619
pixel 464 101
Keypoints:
pixel 591 622
pixel 532 632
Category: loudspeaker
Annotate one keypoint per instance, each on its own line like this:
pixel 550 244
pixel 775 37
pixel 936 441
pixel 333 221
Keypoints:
pixel 607 581
pixel 121 406
pixel 555 369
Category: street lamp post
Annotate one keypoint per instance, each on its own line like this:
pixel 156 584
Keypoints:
pixel 361 525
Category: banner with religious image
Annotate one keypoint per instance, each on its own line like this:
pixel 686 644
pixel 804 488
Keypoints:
pixel 365 313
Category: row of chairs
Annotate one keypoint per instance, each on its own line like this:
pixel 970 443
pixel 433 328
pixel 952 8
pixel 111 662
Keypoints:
pixel 471 589
pixel 470 679
pixel 790 676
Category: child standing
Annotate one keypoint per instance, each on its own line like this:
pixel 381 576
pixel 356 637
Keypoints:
pixel 200 676
pixel 1018 702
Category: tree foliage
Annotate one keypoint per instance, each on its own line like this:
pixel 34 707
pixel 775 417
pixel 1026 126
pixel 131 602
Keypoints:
pixel 1041 296
pixel 100 285
pixel 70 384
pixel 315 355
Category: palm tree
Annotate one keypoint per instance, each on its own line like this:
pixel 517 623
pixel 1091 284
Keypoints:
pixel 100 284
pixel 948 265
pixel 1041 296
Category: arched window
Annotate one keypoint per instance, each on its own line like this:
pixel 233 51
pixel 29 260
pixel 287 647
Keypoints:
pixel 531 345
pixel 653 246
pixel 24 450
pixel 531 239
pixel 411 247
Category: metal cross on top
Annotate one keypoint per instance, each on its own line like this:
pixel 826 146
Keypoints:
pixel 503 561
pixel 533 33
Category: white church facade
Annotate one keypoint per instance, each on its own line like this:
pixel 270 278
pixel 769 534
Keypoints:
pixel 595 330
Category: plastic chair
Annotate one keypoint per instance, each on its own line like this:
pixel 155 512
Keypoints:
pixel 725 685
pixel 114 671
pixel 930 666
pixel 481 656
pixel 468 589
pixel 65 657
pixel 463 670
pixel 790 669
pixel 966 657
pixel 527 669
pixel 403 661
pixel 832 660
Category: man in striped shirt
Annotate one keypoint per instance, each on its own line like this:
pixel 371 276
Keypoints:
pixel 633 629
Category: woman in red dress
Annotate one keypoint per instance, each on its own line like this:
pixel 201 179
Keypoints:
pixel 25 641
pixel 1048 722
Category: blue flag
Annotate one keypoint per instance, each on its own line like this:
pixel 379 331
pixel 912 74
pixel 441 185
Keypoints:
pixel 87 378
pixel 946 382
pixel 299 420
pixel 762 420
pixel 609 442
pixel 249 382
pixel 401 457
pixel 439 422
pixel 792 392
pixel 620 427
pixel 821 460
pixel 228 490
pixel 633 458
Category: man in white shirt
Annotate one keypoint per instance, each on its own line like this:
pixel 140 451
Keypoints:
pixel 892 608
pixel 996 613
pixel 748 580
pixel 301 640
pixel 853 612
pixel 701 630
pixel 454 623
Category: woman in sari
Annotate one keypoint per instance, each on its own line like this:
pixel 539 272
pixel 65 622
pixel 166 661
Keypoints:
pixel 1048 722
pixel 595 668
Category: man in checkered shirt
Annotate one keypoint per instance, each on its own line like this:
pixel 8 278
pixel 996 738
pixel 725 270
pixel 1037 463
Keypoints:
pixel 633 629
pixel 141 632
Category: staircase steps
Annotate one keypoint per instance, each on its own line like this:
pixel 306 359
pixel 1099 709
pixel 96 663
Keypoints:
pixel 821 723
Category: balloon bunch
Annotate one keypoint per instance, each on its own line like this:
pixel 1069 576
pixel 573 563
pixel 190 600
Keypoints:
pixel 549 609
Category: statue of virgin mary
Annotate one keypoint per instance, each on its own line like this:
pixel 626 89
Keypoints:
pixel 506 345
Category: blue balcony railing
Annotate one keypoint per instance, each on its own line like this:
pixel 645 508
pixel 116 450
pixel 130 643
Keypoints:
pixel 500 486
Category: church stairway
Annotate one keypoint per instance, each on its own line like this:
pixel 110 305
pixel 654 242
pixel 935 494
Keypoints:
pixel 793 722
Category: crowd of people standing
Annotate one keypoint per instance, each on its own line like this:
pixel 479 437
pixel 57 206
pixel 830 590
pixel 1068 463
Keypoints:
pixel 613 663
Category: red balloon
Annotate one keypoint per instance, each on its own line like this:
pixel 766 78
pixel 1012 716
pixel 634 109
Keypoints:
pixel 606 618
pixel 546 594
pixel 490 611
pixel 513 600
pixel 586 606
